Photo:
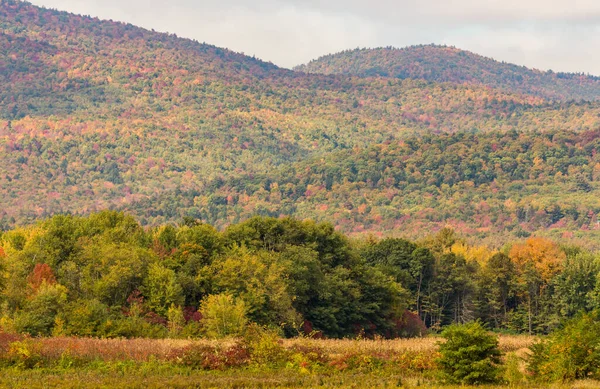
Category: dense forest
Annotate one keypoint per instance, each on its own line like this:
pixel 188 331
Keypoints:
pixel 483 184
pixel 105 275
pixel 103 115
pixel 449 64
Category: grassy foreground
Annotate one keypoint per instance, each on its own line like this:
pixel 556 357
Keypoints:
pixel 142 363
pixel 150 377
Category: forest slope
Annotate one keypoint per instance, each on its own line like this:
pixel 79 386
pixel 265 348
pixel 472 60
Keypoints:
pixel 98 114
pixel 487 184
pixel 449 64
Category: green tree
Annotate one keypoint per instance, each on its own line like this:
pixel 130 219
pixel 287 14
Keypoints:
pixel 161 289
pixel 84 318
pixel 223 316
pixel 111 272
pixel 261 281
pixel 496 289
pixel 575 288
pixel 469 355
pixel 40 311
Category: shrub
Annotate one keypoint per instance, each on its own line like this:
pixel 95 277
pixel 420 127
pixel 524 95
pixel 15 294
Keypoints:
pixel 470 355
pixel 358 361
pixel 223 315
pixel 176 321
pixel 205 357
pixel 6 339
pixel 25 354
pixel 133 327
pixel 192 329
pixel 82 318
pixel 410 325
pixel 512 372
pixel 572 352
pixel 311 354
pixel 264 346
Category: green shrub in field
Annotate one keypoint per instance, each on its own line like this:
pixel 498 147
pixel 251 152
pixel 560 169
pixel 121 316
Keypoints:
pixel 470 355
pixel 133 327
pixel 176 321
pixel 81 318
pixel 223 315
pixel 265 346
pixel 307 359
pixel 512 372
pixel 570 353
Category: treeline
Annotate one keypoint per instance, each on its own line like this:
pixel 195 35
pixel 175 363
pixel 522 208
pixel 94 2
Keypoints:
pixel 105 275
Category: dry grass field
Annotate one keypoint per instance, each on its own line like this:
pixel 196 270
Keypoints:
pixel 143 350
pixel 62 362
pixel 508 343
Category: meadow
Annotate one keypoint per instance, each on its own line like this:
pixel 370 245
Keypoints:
pixel 68 362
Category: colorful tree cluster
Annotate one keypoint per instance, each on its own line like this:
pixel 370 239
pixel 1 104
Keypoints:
pixel 105 275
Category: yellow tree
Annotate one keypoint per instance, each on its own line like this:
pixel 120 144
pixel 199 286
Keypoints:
pixel 537 261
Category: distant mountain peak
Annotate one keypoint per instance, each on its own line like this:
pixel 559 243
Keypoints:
pixel 439 63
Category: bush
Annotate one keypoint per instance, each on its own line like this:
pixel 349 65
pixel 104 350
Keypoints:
pixel 223 315
pixel 25 354
pixel 571 353
pixel 176 321
pixel 82 318
pixel 470 355
pixel 410 325
pixel 206 357
pixel 264 346
pixel 133 327
pixel 512 370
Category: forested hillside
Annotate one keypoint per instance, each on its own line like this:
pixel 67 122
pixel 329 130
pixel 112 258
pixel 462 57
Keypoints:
pixel 449 64
pixel 480 183
pixel 99 114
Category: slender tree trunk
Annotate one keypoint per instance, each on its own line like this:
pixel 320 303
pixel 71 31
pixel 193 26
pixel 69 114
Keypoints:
pixel 529 314
pixel 419 295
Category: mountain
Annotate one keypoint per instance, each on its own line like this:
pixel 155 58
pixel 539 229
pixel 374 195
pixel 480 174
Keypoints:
pixel 98 114
pixel 449 64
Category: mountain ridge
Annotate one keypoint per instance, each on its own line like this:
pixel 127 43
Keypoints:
pixel 440 63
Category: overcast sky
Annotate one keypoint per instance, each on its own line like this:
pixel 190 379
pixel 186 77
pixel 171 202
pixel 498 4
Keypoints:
pixel 545 34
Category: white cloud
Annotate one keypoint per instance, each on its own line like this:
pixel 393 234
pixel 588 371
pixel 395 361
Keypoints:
pixel 544 34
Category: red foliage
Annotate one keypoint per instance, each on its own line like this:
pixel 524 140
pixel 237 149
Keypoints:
pixel 6 339
pixel 41 273
pixel 135 298
pixel 191 314
pixel 154 318
pixel 308 329
pixel 410 325
pixel 210 357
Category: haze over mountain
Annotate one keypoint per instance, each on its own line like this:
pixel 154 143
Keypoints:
pixel 98 114
pixel 449 64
